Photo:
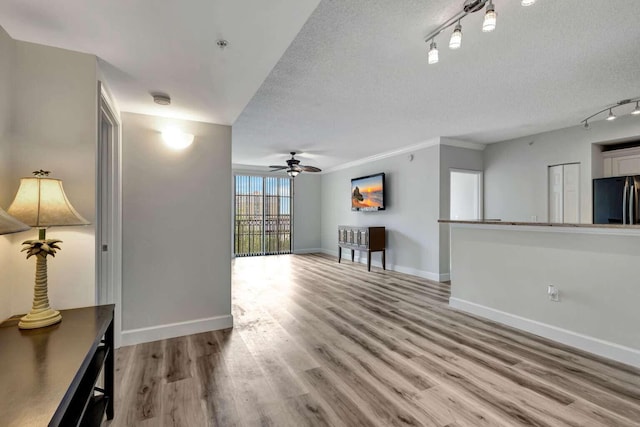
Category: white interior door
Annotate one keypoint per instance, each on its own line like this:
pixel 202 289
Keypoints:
pixel 465 195
pixel 571 194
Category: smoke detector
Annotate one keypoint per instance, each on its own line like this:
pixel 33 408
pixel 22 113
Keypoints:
pixel 161 99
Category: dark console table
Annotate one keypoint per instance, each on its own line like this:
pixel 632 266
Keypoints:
pixel 48 376
pixel 366 239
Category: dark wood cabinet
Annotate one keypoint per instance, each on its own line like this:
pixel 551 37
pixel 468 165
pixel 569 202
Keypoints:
pixel 49 376
pixel 366 239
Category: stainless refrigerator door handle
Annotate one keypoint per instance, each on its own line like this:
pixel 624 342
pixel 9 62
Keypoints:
pixel 624 202
pixel 631 194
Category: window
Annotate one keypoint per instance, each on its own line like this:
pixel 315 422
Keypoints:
pixel 262 223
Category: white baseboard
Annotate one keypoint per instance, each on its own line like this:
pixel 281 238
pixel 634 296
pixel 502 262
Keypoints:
pixel 172 330
pixel 393 267
pixel 307 251
pixel 620 353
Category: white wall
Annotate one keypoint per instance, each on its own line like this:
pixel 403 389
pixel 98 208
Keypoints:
pixel 502 273
pixel 516 170
pixel 6 53
pixel 411 215
pixel 176 230
pixel 53 126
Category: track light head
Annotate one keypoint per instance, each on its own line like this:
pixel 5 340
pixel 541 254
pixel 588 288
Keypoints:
pixel 611 116
pixel 527 2
pixel 490 18
pixel 587 126
pixel 636 110
pixel 433 53
pixel 456 37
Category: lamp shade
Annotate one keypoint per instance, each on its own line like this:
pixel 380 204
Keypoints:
pixel 9 224
pixel 41 202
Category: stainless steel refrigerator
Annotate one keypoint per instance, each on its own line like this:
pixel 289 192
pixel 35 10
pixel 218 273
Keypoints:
pixel 615 200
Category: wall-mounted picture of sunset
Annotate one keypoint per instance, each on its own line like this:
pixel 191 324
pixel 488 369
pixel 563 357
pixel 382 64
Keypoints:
pixel 367 193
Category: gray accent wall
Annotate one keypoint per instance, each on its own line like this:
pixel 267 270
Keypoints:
pixel 412 199
pixel 417 192
pixel 306 213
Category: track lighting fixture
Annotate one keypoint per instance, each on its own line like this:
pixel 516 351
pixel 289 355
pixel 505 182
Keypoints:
pixel 490 18
pixel 433 53
pixel 456 37
pixel 612 116
pixel 469 6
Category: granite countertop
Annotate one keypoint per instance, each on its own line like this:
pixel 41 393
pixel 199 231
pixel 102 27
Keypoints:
pixel 539 224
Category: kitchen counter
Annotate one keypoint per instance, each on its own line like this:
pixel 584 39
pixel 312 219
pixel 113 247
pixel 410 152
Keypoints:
pixel 616 229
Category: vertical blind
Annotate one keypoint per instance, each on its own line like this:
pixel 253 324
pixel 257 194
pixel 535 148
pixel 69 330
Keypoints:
pixel 262 215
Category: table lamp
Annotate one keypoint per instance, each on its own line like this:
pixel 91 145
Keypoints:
pixel 40 202
pixel 9 224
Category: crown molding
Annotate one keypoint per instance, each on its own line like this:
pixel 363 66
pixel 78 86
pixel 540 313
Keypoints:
pixel 462 144
pixel 404 150
pixel 425 144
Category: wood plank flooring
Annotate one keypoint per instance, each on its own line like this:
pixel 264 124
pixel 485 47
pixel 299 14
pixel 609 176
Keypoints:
pixel 317 343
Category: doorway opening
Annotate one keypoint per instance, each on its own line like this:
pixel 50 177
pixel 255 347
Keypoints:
pixel 465 195
pixel 263 214
pixel 109 212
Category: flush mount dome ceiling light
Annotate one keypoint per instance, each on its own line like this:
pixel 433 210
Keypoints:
pixel 610 108
pixel 469 6
pixel 161 99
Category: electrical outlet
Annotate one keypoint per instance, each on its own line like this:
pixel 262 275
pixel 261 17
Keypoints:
pixel 553 293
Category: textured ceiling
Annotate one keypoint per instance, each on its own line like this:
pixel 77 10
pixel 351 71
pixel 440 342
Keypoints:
pixel 169 46
pixel 355 81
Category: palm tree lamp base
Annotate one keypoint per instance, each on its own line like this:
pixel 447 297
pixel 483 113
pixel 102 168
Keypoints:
pixel 41 313
pixel 40 319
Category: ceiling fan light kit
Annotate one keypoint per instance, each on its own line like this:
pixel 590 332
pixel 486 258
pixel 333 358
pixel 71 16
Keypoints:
pixel 611 116
pixel 293 167
pixel 468 7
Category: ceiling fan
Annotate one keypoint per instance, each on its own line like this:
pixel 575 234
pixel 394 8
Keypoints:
pixel 294 167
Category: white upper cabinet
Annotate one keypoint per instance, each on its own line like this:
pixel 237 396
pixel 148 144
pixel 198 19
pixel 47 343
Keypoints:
pixel 622 162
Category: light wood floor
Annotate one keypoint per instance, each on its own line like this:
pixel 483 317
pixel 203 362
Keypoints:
pixel 321 343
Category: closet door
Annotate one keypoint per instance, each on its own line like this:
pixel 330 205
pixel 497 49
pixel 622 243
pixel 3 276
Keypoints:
pixel 556 196
pixel 564 193
pixel 571 193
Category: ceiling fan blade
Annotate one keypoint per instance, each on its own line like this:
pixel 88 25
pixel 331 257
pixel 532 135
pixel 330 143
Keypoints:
pixel 310 168
pixel 277 168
